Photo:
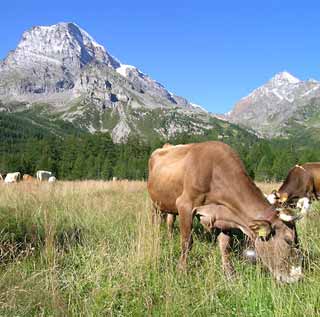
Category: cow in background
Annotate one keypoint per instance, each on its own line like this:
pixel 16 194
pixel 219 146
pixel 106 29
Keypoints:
pixel 302 181
pixel 27 177
pixel 43 175
pixel 12 177
pixel 52 179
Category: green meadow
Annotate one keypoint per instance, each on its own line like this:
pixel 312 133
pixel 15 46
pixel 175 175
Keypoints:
pixel 89 249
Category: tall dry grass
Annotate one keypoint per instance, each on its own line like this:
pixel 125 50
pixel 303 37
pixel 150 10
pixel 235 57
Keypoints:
pixel 267 188
pixel 90 249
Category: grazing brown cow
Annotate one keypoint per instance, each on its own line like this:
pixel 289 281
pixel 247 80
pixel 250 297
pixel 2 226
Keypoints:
pixel 27 177
pixel 302 181
pixel 186 179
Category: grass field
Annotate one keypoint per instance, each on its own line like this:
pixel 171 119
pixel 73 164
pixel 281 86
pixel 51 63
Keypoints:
pixel 89 249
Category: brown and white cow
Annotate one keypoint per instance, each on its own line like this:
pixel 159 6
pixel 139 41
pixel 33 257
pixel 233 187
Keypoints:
pixel 188 179
pixel 302 181
pixel 27 177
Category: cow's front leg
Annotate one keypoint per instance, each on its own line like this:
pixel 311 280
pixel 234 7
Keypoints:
pixel 224 245
pixel 170 222
pixel 185 220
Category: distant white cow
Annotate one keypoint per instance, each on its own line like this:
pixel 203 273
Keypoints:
pixel 12 177
pixel 43 175
pixel 52 179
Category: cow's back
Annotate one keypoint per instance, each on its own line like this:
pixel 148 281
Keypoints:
pixel 208 172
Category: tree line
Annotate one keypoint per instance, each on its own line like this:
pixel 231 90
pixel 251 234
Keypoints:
pixel 96 156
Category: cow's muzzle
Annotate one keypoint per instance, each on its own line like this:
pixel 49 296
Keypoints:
pixel 294 276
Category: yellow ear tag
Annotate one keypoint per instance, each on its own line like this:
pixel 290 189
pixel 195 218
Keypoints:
pixel 262 232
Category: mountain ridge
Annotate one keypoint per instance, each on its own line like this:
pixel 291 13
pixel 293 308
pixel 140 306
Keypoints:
pixel 75 79
pixel 64 67
pixel 268 108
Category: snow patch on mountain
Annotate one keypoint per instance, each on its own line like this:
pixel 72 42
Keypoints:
pixel 199 107
pixel 284 77
pixel 123 69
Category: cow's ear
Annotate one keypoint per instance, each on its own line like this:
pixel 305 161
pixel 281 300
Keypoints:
pixel 261 228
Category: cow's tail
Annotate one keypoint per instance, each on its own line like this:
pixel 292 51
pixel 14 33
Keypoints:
pixel 314 190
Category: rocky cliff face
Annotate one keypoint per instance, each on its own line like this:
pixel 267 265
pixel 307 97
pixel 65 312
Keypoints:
pixel 269 108
pixel 63 67
pixel 49 59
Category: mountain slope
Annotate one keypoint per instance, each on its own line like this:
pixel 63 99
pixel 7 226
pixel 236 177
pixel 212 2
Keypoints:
pixel 269 108
pixel 63 67
pixel 304 125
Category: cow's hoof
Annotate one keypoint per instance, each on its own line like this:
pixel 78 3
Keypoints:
pixel 229 273
pixel 182 267
pixel 170 236
pixel 230 276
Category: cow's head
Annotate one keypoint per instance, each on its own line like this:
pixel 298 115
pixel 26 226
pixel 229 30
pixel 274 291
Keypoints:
pixel 277 247
pixel 273 197
pixel 278 199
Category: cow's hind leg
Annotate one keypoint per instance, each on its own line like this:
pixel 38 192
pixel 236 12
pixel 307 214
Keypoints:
pixel 185 220
pixel 157 215
pixel 170 222
pixel 224 245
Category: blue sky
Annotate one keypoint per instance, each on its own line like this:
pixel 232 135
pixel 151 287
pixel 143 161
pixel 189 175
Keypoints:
pixel 211 52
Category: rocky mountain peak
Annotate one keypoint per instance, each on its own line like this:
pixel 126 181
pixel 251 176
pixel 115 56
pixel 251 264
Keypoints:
pixel 60 71
pixel 268 108
pixel 65 44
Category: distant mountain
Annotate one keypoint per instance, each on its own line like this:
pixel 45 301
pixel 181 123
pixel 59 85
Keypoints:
pixel 60 72
pixel 277 107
